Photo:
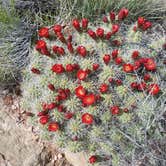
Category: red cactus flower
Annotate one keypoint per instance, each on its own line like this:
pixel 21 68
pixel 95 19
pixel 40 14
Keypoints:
pixel 85 23
pixel 115 110
pixel 69 68
pixel 55 48
pixel 153 89
pixel 89 99
pixel 42 113
pixel 44 32
pixel 60 108
pixel 150 65
pixel 92 34
pixel 106 58
pixel 115 28
pixel 81 74
pixel 125 110
pixel 82 51
pixel 60 51
pixel 105 19
pixel 43 120
pixel 134 85
pixel 118 60
pixel 51 87
pixel 112 16
pixel 103 88
pixel 58 68
pixel 68 115
pixel 137 65
pixel 141 86
pixel 51 106
pixel 96 66
pixel 123 13
pixel 76 24
pixel 92 159
pixel 80 91
pixel 57 28
pixel 61 37
pixel 100 32
pixel 70 38
pixel 76 66
pixel 147 25
pixel 53 126
pixel 40 45
pixel 115 53
pixel 146 77
pixel 135 54
pixel 118 82
pixel 128 68
pixel 87 118
pixel 135 28
pixel 140 21
pixel 108 35
pixel 70 47
pixel 35 70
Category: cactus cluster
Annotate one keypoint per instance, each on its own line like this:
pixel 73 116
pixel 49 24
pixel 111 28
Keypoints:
pixel 99 87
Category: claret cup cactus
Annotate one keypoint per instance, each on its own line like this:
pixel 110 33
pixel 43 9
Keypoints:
pixel 99 87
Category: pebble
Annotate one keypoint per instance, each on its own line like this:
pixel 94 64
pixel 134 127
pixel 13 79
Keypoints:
pixel 60 156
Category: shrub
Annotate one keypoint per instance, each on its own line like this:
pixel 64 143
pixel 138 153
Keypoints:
pixel 99 87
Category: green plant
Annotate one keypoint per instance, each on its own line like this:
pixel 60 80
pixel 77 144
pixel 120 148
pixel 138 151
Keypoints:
pixel 99 87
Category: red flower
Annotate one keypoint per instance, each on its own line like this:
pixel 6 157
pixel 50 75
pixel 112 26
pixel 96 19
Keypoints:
pixel 95 66
pixel 92 159
pixel 60 108
pixel 92 34
pixel 81 74
pixel 43 119
pixel 125 110
pixel 70 47
pixel 35 70
pixel 141 86
pixel 114 53
pixel 84 23
pixel 53 126
pixel 68 115
pixel 135 54
pixel 147 25
pixel 134 85
pixel 146 77
pixel 106 58
pixel 89 99
pixel 153 89
pixel 44 32
pixel 87 118
pixel 108 35
pixel 103 88
pixel 115 28
pixel 100 32
pixel 58 68
pixel 112 16
pixel 69 68
pixel 40 45
pixel 80 91
pixel 51 106
pixel 42 113
pixel 70 38
pixel 128 68
pixel 55 48
pixel 118 60
pixel 76 66
pixel 57 28
pixel 76 24
pixel 118 82
pixel 51 87
pixel 82 51
pixel 150 65
pixel 115 110
pixel 137 65
pixel 61 37
pixel 123 13
pixel 60 51
pixel 105 19
pixel 140 21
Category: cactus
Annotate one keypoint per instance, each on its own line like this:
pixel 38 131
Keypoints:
pixel 15 44
pixel 99 87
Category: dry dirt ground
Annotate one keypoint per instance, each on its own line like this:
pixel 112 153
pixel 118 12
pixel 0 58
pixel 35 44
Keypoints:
pixel 19 144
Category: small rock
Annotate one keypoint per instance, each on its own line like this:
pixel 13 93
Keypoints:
pixel 55 158
pixel 60 156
